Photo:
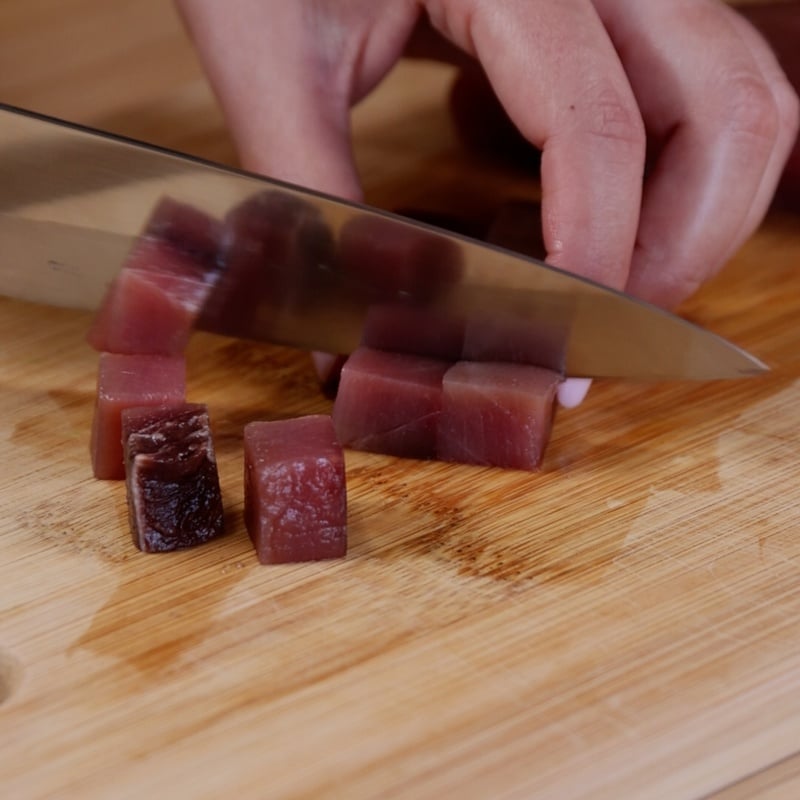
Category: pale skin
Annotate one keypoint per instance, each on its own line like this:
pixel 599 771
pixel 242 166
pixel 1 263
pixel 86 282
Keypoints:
pixel 597 85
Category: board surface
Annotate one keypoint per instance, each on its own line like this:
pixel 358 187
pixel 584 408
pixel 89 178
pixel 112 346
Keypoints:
pixel 625 623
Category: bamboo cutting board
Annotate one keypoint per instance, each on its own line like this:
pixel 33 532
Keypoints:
pixel 625 623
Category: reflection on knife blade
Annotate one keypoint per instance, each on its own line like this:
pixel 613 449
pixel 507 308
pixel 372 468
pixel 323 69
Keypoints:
pixel 333 268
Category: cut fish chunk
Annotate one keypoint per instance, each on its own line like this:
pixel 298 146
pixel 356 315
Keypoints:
pixel 496 414
pixel 174 497
pixel 294 490
pixel 126 381
pixel 390 403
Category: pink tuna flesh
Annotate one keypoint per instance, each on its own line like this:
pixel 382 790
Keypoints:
pixel 496 414
pixel 174 498
pixel 389 403
pixel 126 381
pixel 294 490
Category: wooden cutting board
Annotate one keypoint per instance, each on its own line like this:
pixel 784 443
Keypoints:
pixel 625 623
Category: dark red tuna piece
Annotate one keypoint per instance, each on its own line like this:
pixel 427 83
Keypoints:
pixel 496 414
pixel 125 381
pixel 174 497
pixel 295 497
pixel 390 403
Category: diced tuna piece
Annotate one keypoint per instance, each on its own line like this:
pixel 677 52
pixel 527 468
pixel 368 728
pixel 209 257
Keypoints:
pixel 295 499
pixel 152 305
pixel 390 403
pixel 126 381
pixel 174 497
pixel 496 414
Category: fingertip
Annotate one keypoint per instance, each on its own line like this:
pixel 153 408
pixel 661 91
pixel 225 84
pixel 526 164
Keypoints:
pixel 572 392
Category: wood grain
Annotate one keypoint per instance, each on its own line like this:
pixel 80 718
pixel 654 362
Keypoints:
pixel 623 624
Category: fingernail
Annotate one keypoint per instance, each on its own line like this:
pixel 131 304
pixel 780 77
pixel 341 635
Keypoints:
pixel 572 392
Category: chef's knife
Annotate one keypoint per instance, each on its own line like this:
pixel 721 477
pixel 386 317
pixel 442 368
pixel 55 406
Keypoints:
pixel 73 201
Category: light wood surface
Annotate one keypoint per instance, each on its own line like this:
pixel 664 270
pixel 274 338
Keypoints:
pixel 624 624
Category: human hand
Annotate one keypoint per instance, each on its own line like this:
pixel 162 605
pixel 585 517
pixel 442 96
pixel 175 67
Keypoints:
pixel 779 23
pixel 601 87
pixel 597 85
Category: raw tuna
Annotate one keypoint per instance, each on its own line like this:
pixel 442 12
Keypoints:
pixel 390 403
pixel 496 414
pixel 152 305
pixel 174 498
pixel 294 490
pixel 125 381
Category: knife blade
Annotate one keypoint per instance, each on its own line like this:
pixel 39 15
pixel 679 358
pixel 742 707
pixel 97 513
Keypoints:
pixel 297 267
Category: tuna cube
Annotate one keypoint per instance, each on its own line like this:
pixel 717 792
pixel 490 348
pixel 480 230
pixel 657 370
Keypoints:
pixel 174 498
pixel 126 381
pixel 496 414
pixel 390 403
pixel 295 500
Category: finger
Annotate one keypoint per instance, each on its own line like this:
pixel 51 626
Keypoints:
pixel 554 69
pixel 285 75
pixel 779 24
pixel 572 392
pixel 702 93
pixel 786 102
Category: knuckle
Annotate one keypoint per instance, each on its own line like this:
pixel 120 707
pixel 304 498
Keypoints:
pixel 609 116
pixel 667 275
pixel 750 109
